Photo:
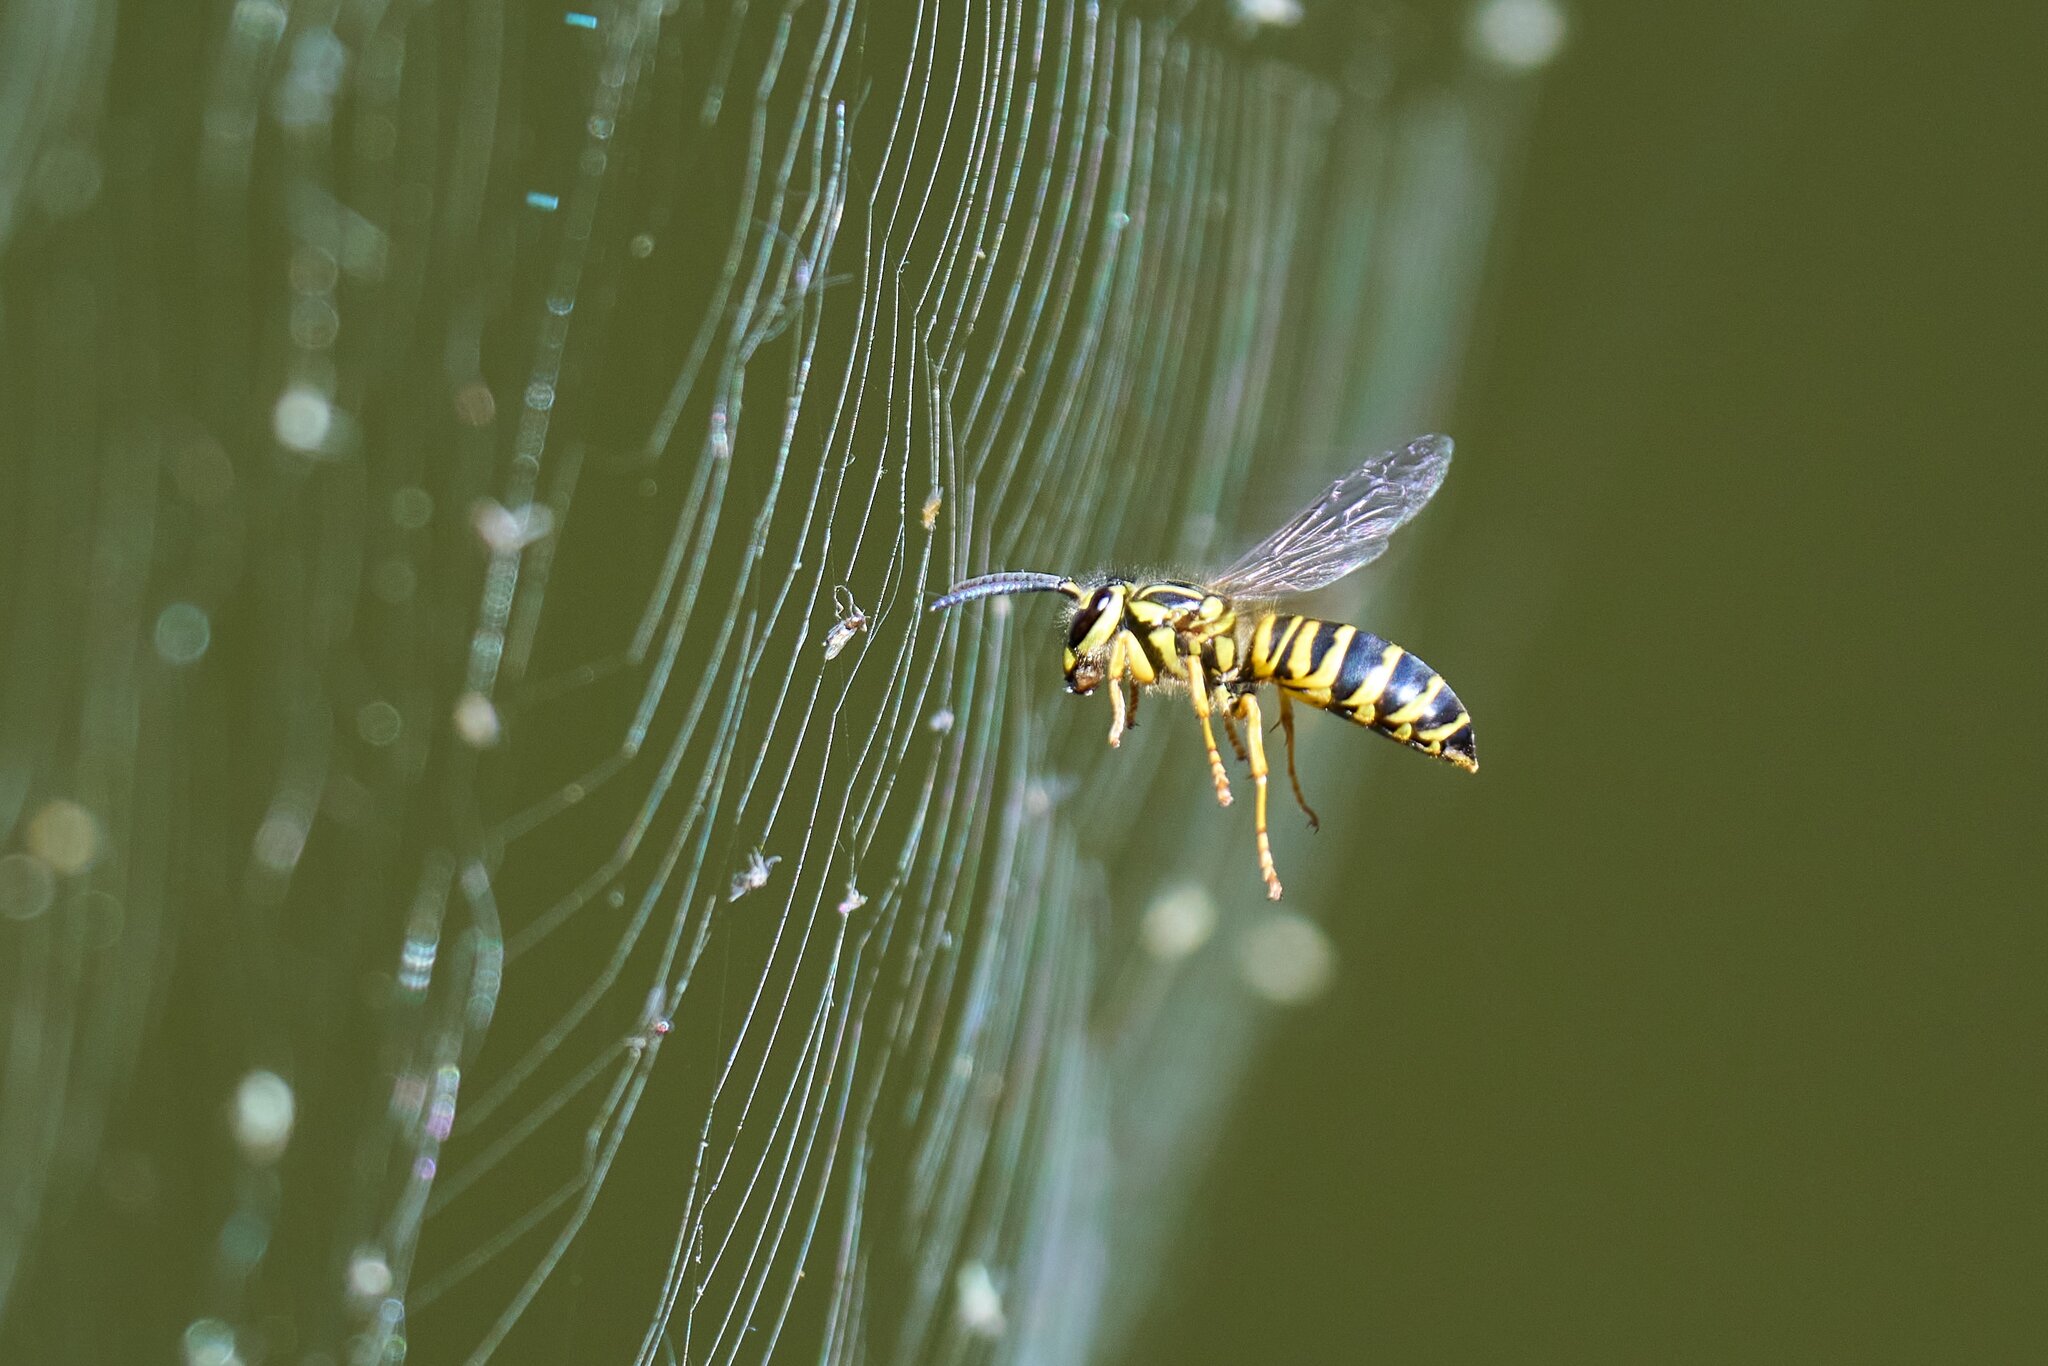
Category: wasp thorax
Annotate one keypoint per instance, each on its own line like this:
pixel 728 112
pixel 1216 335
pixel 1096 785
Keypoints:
pixel 1095 624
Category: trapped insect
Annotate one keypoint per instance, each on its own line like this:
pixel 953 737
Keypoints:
pixel 754 876
pixel 1138 634
pixel 852 621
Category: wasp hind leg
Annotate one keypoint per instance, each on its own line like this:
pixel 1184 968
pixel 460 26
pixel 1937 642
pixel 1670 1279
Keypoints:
pixel 1247 707
pixel 1198 689
pixel 1287 731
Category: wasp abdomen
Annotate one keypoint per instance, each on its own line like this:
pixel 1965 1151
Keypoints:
pixel 1366 679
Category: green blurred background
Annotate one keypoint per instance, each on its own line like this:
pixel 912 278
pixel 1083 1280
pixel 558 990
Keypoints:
pixel 1706 1024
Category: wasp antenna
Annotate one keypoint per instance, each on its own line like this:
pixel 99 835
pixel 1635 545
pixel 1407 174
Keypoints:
pixel 1004 584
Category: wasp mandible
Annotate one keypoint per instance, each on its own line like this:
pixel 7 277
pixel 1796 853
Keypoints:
pixel 1136 634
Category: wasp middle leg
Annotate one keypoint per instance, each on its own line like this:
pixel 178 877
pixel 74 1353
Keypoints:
pixel 1247 707
pixel 1198 689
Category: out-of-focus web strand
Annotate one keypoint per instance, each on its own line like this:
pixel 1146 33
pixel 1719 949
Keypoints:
pixel 845 1043
pixel 608 1128
pixel 1099 371
pixel 1064 142
pixel 747 1023
pixel 611 766
pixel 1075 288
pixel 724 738
pixel 832 190
pixel 483 943
pixel 688 1236
pixel 592 995
pixel 1074 276
pixel 955 854
pixel 978 440
pixel 993 225
pixel 791 982
pixel 1002 348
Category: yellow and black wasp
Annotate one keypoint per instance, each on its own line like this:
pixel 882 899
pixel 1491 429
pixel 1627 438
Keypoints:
pixel 1138 634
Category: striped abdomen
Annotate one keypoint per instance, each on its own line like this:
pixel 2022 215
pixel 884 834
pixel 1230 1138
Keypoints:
pixel 1371 681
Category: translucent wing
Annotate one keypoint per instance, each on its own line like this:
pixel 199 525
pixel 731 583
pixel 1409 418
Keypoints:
pixel 1348 526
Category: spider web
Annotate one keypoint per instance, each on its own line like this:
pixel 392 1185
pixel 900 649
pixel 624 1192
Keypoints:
pixel 507 697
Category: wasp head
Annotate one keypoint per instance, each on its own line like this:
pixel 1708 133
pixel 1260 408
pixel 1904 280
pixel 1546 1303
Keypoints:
pixel 1097 619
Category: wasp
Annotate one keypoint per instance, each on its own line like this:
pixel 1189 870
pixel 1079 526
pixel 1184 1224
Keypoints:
pixel 1221 640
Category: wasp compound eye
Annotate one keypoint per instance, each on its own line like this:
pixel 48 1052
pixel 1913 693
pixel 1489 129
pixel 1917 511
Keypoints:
pixel 1087 616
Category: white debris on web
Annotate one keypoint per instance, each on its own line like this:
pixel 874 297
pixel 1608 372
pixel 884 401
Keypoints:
pixel 754 875
pixel 852 621
pixel 654 1023
pixel 531 567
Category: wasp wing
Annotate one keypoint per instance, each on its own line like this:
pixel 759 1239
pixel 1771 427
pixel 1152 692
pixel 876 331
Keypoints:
pixel 1348 526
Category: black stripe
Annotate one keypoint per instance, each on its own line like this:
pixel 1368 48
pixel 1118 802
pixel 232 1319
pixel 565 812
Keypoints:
pixel 1366 651
pixel 1411 676
pixel 1283 641
pixel 1151 653
pixel 1082 624
pixel 1443 710
pixel 1319 651
pixel 1463 743
pixel 1172 595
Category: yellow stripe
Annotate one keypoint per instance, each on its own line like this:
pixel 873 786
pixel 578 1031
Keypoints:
pixel 1145 612
pixel 1333 662
pixel 1166 646
pixel 1262 645
pixel 1422 703
pixel 1368 694
pixel 1140 664
pixel 1301 654
pixel 1439 734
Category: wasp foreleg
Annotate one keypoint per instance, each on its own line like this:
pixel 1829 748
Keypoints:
pixel 1287 731
pixel 1255 733
pixel 1198 689
pixel 1116 691
pixel 1230 732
